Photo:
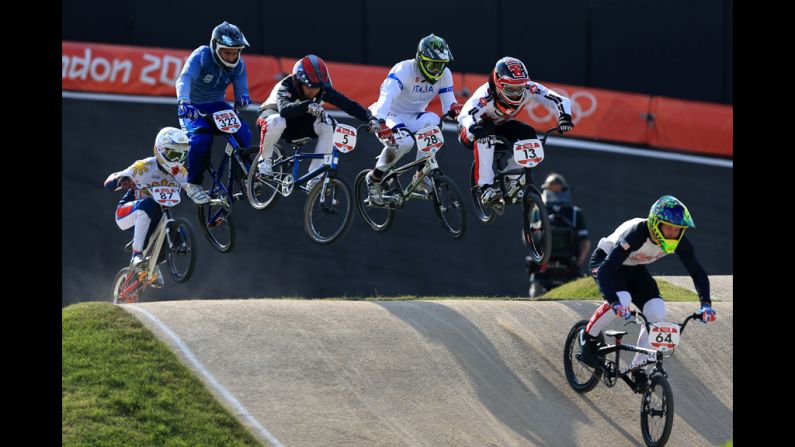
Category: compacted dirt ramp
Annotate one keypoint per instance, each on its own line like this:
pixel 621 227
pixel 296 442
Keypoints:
pixel 433 373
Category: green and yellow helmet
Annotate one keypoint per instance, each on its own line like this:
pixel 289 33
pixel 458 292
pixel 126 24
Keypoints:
pixel 433 55
pixel 669 210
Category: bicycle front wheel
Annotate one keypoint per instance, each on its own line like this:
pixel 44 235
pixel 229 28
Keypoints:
pixel 581 377
pixel 126 288
pixel 449 205
pixel 537 233
pixel 328 211
pixel 181 255
pixel 218 226
pixel 378 217
pixel 657 411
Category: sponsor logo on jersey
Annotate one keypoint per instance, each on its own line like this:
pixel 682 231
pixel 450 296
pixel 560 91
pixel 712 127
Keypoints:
pixel 640 257
pixel 423 89
pixel 482 102
pixel 208 78
pixel 140 167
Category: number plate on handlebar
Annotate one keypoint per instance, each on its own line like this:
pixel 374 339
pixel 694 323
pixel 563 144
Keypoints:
pixel 664 336
pixel 227 121
pixel 528 153
pixel 165 195
pixel 429 140
pixel 344 137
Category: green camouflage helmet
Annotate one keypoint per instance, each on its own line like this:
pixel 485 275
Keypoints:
pixel 669 210
pixel 433 55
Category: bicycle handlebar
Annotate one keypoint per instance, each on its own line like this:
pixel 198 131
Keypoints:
pixel 694 315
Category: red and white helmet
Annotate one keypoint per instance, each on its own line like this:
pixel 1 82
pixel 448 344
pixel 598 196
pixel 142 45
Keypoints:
pixel 171 149
pixel 509 81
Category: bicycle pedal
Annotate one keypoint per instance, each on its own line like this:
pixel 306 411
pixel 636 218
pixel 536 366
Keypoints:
pixel 498 208
pixel 237 196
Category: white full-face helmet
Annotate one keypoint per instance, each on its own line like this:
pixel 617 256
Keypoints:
pixel 171 149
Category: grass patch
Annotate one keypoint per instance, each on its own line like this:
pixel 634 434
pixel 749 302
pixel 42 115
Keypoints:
pixel 123 386
pixel 585 289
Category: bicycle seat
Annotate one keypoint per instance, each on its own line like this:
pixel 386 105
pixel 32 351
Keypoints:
pixel 612 333
pixel 300 141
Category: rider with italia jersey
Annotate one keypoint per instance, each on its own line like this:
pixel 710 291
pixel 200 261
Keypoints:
pixel 405 94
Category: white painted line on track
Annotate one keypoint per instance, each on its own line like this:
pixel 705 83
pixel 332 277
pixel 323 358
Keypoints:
pixel 239 408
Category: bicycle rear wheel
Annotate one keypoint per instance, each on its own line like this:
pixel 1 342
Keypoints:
pixel 378 217
pixel 328 211
pixel 263 191
pixel 657 411
pixel 449 205
pixel 484 213
pixel 181 250
pixel 218 226
pixel 580 376
pixel 535 221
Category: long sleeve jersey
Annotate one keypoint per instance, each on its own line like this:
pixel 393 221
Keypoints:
pixel 145 173
pixel 285 99
pixel 630 244
pixel 203 81
pixel 406 91
pixel 481 104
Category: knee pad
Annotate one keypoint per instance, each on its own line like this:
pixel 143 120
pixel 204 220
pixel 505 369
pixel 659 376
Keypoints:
pixel 654 309
pixel 403 145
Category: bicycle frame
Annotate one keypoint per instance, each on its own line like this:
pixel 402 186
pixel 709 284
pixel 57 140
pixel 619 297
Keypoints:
pixel 407 193
pixel 330 164
pixel 525 172
pixel 232 150
pixel 430 165
pixel 151 253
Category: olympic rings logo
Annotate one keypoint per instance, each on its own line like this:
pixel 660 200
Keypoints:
pixel 583 104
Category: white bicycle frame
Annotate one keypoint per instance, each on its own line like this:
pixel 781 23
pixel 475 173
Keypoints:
pixel 167 196
pixel 429 140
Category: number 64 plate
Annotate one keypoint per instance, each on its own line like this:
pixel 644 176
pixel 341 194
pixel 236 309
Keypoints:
pixel 664 336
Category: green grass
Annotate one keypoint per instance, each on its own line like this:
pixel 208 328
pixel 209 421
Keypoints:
pixel 121 386
pixel 585 289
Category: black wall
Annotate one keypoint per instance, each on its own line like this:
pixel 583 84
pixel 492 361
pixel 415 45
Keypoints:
pixel 275 258
pixel 675 48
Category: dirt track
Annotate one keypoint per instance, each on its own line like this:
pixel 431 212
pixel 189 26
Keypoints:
pixel 433 373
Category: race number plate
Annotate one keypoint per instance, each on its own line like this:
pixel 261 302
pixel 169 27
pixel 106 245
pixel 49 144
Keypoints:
pixel 227 121
pixel 429 140
pixel 528 153
pixel 344 138
pixel 664 336
pixel 165 195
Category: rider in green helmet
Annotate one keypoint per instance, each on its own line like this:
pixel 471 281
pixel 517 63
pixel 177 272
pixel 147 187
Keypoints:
pixel 668 210
pixel 433 55
pixel 618 265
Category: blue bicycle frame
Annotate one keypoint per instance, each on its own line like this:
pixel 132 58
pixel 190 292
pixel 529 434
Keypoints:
pixel 298 156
